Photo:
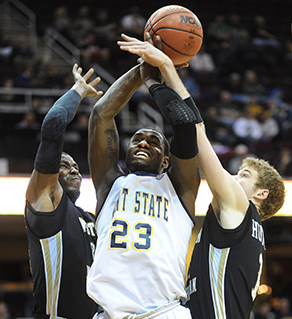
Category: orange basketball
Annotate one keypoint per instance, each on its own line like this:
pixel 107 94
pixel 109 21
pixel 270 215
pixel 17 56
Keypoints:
pixel 180 30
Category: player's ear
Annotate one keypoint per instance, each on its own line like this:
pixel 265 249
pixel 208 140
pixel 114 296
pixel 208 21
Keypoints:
pixel 262 194
pixel 165 162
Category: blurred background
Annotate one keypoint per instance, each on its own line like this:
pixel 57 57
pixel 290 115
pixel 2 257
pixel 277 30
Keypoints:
pixel 241 81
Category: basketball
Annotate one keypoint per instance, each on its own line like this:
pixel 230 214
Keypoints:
pixel 180 30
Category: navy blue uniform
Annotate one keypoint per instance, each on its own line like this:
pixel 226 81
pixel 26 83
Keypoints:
pixel 226 266
pixel 61 247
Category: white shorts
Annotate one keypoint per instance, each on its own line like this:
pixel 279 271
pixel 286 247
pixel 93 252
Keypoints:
pixel 173 310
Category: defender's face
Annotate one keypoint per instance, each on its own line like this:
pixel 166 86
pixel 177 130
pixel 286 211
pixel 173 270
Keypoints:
pixel 146 152
pixel 69 176
pixel 247 178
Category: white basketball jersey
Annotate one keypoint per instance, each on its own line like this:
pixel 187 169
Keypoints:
pixel 143 237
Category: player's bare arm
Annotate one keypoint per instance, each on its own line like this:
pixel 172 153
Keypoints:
pixel 229 200
pixel 103 142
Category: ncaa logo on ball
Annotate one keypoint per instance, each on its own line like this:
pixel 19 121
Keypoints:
pixel 190 20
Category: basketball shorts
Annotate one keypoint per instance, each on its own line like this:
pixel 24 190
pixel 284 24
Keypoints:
pixel 173 310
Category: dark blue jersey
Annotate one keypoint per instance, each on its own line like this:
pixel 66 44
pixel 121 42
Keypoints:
pixel 61 249
pixel 225 269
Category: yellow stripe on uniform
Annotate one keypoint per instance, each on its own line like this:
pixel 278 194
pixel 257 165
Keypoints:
pixel 190 252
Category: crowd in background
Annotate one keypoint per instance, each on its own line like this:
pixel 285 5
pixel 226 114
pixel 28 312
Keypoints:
pixel 240 79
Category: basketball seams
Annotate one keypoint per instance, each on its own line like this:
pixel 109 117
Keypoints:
pixel 180 31
pixel 173 49
pixel 170 14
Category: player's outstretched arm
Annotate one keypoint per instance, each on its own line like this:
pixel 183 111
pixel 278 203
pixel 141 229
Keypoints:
pixel 44 191
pixel 103 140
pixel 229 200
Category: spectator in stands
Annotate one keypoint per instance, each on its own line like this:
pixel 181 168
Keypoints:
pixel 133 23
pixel 246 52
pixel 202 62
pixel 284 310
pixel 248 130
pixel 264 311
pixel 104 26
pixel 77 32
pixel 253 105
pixel 228 110
pixel 216 130
pixel 218 30
pixel 190 83
pixel 241 151
pixel 281 115
pixel 270 127
pixel 233 83
pixel 4 311
pixel 52 77
pixel 62 20
pixel 91 52
pixel 251 84
pixel 28 127
pixel 22 50
pixel 283 162
pixel 6 50
pixel 226 59
pixel 8 97
pixel 29 77
pixel 238 30
pixel 260 34
pixel 84 16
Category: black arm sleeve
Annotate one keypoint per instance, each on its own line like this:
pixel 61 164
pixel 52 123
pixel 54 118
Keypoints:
pixel 180 117
pixel 192 105
pixel 52 133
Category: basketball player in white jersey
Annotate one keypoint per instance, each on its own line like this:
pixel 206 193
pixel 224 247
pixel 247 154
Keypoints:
pixel 145 218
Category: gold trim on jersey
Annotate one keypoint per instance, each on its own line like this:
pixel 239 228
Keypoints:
pixel 190 252
pixel 53 255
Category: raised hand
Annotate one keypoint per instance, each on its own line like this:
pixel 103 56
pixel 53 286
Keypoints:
pixel 81 85
pixel 148 52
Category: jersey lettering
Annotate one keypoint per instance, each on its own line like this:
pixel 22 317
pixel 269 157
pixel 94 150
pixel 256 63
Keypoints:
pixel 144 203
pixel 257 232
pixel 87 227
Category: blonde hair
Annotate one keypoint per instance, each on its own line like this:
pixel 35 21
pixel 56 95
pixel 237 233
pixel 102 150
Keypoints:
pixel 268 178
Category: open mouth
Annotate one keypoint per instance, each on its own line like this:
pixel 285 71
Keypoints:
pixel 142 154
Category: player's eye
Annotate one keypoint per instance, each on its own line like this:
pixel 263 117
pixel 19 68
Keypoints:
pixel 154 143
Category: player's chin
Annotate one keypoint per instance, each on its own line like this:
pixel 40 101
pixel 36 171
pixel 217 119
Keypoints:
pixel 75 184
pixel 140 165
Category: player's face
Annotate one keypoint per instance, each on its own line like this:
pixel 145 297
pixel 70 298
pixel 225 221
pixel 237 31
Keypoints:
pixel 69 177
pixel 146 152
pixel 247 178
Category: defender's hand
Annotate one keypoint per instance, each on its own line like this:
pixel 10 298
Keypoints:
pixel 81 85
